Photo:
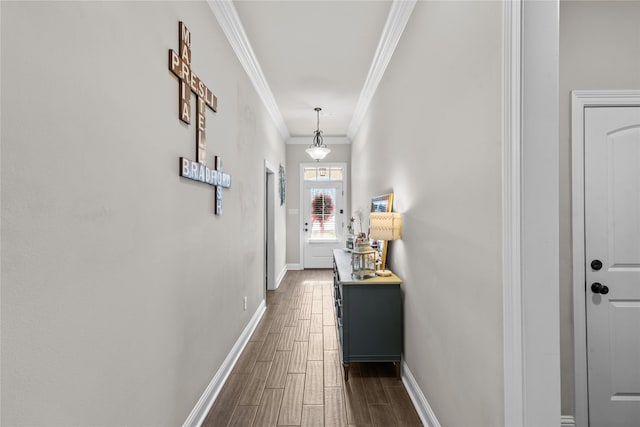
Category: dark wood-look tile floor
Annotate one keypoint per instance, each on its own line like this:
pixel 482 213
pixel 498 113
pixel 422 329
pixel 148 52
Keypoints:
pixel 290 372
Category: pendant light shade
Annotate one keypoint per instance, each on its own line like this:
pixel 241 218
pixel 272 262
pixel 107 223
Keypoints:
pixel 318 150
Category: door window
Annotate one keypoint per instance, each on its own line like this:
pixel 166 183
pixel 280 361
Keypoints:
pixel 323 218
pixel 323 174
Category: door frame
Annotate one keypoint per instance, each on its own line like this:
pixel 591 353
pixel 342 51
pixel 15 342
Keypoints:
pixel 269 225
pixel 579 101
pixel 530 207
pixel 345 198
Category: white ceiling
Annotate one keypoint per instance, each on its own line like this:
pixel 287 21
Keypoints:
pixel 314 54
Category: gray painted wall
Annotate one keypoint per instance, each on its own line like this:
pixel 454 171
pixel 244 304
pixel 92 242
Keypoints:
pixel 121 291
pixel 599 49
pixel 439 149
pixel 295 156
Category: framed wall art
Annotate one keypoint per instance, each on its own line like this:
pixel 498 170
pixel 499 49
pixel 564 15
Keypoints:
pixel 283 185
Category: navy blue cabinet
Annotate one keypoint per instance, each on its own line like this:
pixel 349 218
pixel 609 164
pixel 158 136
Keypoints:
pixel 368 315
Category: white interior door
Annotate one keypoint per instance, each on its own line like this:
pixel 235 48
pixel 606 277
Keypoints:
pixel 323 222
pixel 612 250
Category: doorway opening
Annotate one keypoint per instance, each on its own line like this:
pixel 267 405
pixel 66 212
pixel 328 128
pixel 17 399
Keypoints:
pixel 269 228
pixel 323 208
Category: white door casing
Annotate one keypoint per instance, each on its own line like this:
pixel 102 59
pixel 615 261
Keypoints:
pixel 316 252
pixel 269 215
pixel 606 227
pixel 530 189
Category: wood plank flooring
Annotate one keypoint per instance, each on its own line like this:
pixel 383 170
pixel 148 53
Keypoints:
pixel 290 373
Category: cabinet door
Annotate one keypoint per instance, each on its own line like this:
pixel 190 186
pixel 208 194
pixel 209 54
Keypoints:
pixel 372 321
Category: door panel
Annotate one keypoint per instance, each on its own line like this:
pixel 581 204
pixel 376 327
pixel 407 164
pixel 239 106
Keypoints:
pixel 323 215
pixel 625 343
pixel 624 203
pixel 612 235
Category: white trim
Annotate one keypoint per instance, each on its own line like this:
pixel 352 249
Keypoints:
pixel 579 101
pixel 1 263
pixel 307 140
pixel 567 421
pixel 281 276
pixel 426 414
pixel 539 215
pixel 580 397
pixel 511 214
pixel 394 27
pixel 269 166
pixel 345 187
pixel 202 408
pixel 227 16
pixel 530 213
pixel 294 267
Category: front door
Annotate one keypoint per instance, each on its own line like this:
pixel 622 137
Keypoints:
pixel 612 267
pixel 323 222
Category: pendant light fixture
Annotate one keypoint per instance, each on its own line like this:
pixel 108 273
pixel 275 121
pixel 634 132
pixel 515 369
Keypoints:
pixel 318 150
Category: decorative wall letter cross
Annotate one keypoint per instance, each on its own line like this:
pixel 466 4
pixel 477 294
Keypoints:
pixel 180 65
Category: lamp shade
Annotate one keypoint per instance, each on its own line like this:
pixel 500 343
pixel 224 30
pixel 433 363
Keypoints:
pixel 385 226
pixel 317 152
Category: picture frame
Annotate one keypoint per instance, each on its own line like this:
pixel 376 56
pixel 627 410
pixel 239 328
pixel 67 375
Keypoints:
pixel 283 184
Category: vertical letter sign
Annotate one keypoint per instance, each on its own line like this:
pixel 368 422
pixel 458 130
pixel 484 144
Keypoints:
pixel 180 65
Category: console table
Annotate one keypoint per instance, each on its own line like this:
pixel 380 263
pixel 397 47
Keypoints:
pixel 368 315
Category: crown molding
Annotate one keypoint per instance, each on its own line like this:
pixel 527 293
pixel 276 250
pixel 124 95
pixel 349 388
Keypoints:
pixel 394 27
pixel 308 140
pixel 227 16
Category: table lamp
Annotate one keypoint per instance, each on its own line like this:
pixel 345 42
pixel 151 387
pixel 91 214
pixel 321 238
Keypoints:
pixel 385 226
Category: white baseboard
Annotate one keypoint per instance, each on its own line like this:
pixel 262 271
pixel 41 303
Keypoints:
pixel 281 276
pixel 294 267
pixel 426 414
pixel 200 411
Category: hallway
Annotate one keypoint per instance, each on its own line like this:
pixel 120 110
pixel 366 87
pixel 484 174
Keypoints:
pixel 290 371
